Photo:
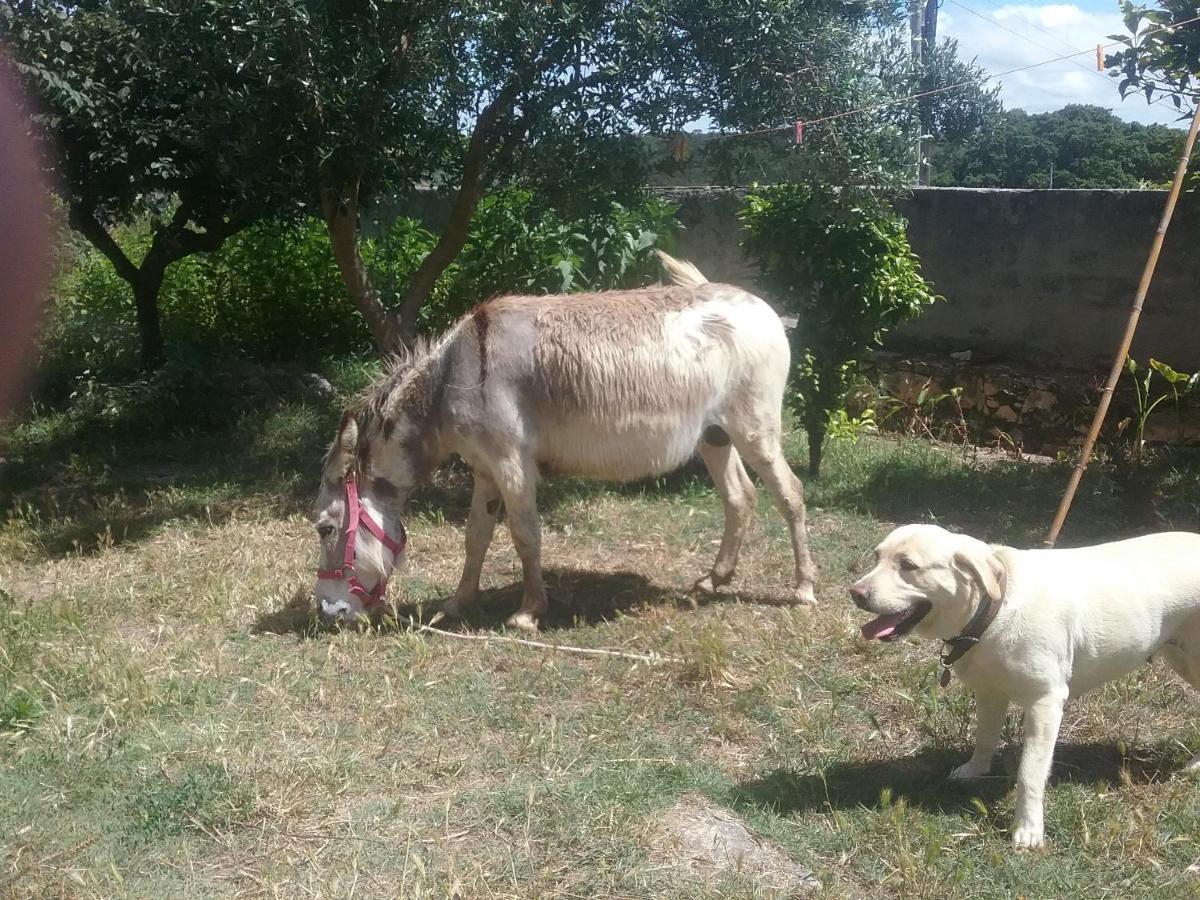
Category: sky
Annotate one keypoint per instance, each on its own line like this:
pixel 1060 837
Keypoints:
pixel 1044 31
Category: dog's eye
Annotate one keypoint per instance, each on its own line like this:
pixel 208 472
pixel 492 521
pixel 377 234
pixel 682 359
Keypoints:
pixel 907 565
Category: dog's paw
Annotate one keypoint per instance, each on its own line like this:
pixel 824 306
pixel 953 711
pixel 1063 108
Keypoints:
pixel 1028 837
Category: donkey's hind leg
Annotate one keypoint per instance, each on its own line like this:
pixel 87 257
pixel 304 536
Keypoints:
pixel 481 524
pixel 1182 653
pixel 739 499
pixel 764 453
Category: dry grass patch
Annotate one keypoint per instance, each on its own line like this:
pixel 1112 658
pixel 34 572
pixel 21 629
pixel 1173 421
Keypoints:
pixel 174 722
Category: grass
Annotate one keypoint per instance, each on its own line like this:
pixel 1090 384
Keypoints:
pixel 173 723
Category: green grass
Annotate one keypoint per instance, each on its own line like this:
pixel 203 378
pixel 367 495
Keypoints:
pixel 172 723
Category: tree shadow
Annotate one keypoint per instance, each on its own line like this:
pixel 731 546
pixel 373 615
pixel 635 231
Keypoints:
pixel 577 598
pixel 922 778
pixel 85 480
pixel 1011 502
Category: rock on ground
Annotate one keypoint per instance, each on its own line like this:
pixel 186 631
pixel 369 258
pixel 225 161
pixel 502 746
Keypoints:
pixel 705 840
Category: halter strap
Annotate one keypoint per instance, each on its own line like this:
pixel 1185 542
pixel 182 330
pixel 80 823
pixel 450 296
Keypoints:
pixel 357 513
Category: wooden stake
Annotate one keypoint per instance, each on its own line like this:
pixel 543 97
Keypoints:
pixel 1118 365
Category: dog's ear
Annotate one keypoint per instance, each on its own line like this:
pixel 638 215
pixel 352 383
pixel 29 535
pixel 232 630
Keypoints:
pixel 985 568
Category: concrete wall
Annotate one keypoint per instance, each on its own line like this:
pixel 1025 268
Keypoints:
pixel 1033 278
pixel 1036 279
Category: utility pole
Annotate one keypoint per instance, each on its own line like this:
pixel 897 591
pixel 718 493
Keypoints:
pixel 922 24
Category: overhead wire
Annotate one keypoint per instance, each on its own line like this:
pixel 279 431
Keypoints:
pixel 1003 27
pixel 945 88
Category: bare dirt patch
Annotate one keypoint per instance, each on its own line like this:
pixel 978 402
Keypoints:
pixel 706 841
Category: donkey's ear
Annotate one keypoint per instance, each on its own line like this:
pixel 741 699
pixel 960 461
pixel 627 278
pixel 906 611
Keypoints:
pixel 985 568
pixel 345 446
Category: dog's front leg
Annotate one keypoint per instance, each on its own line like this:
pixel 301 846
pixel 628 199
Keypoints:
pixel 991 708
pixel 1042 718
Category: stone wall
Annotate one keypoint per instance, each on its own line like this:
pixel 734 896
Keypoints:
pixel 1031 278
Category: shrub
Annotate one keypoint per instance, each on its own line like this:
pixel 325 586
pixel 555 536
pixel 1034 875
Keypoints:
pixel 521 246
pixel 273 292
pixel 839 259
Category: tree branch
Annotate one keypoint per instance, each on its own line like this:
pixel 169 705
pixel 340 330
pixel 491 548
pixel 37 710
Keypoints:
pixel 85 222
pixel 470 191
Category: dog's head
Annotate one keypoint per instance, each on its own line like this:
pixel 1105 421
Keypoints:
pixel 927 581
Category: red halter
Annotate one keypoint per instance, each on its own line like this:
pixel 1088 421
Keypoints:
pixel 356 513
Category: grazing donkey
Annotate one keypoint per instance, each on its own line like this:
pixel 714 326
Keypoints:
pixel 615 385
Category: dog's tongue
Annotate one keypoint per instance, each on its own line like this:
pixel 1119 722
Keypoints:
pixel 883 626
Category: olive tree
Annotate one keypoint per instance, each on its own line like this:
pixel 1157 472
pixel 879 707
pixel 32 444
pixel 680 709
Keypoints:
pixel 167 111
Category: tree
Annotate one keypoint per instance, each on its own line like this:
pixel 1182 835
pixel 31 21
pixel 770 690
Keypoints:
pixel 149 115
pixel 962 113
pixel 206 115
pixel 1084 147
pixel 1157 59
pixel 538 85
pixel 839 259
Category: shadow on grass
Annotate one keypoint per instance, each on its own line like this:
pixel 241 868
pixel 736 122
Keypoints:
pixel 922 779
pixel 80 481
pixel 577 598
pixel 1009 502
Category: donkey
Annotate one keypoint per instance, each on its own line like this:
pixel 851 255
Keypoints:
pixel 616 385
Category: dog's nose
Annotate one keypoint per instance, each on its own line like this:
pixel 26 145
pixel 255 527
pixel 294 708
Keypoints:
pixel 859 595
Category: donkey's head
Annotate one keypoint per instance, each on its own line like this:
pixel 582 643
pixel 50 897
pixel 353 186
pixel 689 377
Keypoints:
pixel 358 519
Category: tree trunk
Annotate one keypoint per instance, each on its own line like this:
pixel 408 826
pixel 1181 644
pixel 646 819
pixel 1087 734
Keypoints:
pixel 340 209
pixel 466 200
pixel 146 287
pixel 816 445
pixel 145 283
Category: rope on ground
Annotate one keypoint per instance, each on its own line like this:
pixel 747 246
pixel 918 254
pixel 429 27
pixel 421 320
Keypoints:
pixel 651 658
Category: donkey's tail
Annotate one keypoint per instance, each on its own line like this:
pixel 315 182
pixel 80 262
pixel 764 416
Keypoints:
pixel 681 271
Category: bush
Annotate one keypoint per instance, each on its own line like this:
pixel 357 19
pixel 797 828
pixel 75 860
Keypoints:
pixel 521 246
pixel 839 259
pixel 273 292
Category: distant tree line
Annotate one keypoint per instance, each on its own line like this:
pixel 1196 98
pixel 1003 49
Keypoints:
pixel 1074 147
pixel 1084 147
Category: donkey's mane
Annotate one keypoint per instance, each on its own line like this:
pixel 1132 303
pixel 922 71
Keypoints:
pixel 403 383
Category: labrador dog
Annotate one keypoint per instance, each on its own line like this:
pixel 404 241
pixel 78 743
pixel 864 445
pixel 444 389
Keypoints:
pixel 1065 621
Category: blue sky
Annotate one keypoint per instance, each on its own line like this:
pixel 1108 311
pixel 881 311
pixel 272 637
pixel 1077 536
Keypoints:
pixel 1039 31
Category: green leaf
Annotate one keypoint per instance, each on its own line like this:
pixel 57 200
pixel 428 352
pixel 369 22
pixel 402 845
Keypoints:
pixel 1167 372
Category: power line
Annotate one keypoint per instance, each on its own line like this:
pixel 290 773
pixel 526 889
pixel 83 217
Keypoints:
pixel 1040 46
pixel 1009 11
pixel 950 87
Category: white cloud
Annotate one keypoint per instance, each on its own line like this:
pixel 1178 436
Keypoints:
pixel 1048 31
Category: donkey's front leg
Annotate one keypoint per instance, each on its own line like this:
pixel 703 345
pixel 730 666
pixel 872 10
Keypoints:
pixel 481 524
pixel 518 485
pixel 1042 719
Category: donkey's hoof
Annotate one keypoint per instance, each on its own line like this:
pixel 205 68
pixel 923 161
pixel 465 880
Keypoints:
pixel 712 583
pixel 804 596
pixel 455 608
pixel 523 620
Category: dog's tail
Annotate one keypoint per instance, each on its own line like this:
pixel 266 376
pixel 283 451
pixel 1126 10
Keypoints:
pixel 683 273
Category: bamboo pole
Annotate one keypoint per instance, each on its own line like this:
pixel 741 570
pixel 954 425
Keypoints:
pixel 1118 365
